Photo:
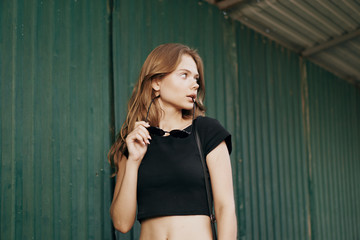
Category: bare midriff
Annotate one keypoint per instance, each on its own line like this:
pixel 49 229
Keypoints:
pixel 187 227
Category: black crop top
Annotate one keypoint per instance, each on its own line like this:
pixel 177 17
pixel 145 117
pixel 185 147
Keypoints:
pixel 171 178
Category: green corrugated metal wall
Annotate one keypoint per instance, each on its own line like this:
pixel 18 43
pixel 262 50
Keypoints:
pixel 334 110
pixel 274 176
pixel 54 120
pixel 295 127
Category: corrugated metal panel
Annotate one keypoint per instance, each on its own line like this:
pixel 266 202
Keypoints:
pixel 294 178
pixel 54 119
pixel 335 166
pixel 274 170
pixel 348 64
pixel 324 31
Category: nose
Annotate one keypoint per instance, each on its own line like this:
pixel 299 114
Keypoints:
pixel 195 85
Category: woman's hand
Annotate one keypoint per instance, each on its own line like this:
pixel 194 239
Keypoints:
pixel 137 141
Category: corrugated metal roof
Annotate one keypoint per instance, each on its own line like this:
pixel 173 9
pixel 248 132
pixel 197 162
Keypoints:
pixel 325 32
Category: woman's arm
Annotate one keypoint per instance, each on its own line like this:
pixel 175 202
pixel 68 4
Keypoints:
pixel 218 162
pixel 123 206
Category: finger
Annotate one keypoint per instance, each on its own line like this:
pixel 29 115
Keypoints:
pixel 140 139
pixel 144 134
pixel 144 131
pixel 141 123
pixel 134 136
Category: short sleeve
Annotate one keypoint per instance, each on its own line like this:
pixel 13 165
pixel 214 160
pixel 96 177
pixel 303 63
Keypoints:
pixel 211 134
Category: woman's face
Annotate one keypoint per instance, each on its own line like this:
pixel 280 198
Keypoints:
pixel 179 88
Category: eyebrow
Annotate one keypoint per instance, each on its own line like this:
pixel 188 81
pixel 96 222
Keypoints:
pixel 186 70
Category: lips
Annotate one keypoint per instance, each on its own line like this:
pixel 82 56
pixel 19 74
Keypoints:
pixel 193 96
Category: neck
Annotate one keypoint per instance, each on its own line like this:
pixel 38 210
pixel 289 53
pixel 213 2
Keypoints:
pixel 172 118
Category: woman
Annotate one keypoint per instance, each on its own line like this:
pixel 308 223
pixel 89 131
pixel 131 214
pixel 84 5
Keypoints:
pixel 158 168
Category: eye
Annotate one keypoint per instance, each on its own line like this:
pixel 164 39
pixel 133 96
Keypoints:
pixel 184 75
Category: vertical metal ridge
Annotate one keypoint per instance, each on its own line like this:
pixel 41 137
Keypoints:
pixel 56 116
pixel 28 139
pixel 111 89
pixel 17 120
pixel 37 172
pixel 50 190
pixel 355 141
pixel 65 222
pixel 2 124
pixel 89 174
pixel 43 110
pixel 12 134
pixel 346 152
pixel 237 128
pixel 307 143
pixel 274 226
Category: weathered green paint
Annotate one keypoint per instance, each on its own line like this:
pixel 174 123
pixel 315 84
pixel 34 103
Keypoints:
pixel 295 127
pixel 273 174
pixel 54 120
pixel 334 108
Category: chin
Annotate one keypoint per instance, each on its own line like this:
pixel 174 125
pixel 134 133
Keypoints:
pixel 189 107
pixel 185 105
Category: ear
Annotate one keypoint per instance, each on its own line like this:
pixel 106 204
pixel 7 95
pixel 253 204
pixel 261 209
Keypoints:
pixel 155 84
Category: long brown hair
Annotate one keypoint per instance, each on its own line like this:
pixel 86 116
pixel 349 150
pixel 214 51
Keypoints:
pixel 162 61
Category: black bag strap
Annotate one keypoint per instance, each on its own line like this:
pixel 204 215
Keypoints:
pixel 207 185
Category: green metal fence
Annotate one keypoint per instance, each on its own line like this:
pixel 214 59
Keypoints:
pixel 54 120
pixel 334 108
pixel 67 69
